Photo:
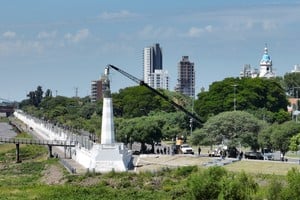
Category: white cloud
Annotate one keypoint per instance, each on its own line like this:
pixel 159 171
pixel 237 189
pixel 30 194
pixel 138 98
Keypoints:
pixel 20 47
pixel 116 15
pixel 46 35
pixel 78 36
pixel 269 25
pixel 9 34
pixel 150 32
pixel 197 32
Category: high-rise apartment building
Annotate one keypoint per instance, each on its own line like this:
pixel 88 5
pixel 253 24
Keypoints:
pixel 186 77
pixel 154 75
pixel 96 90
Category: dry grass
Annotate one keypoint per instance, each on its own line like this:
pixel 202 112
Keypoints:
pixel 157 162
pixel 262 167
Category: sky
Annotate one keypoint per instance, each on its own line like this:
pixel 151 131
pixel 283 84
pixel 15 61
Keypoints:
pixel 64 45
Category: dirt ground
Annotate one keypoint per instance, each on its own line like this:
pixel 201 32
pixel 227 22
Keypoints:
pixel 156 162
pixel 53 175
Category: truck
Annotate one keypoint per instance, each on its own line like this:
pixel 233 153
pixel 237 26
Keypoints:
pixel 186 149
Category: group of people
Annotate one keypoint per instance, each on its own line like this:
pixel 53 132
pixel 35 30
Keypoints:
pixel 163 150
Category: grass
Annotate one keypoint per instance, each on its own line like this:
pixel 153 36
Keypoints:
pixel 262 167
pixel 4 119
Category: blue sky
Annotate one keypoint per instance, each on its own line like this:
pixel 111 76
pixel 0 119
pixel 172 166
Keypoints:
pixel 63 45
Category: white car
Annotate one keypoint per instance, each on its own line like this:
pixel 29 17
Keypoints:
pixel 186 149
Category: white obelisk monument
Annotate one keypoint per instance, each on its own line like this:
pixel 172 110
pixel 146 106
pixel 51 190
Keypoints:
pixel 107 129
pixel 109 155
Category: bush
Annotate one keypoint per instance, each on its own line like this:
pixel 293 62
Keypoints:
pixel 207 184
pixel 240 186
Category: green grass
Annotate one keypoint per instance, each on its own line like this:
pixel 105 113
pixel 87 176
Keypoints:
pixel 24 180
pixel 4 119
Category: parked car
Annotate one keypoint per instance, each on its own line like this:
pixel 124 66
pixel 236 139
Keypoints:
pixel 186 149
pixel 254 155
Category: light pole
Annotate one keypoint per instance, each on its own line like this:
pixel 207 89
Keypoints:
pixel 191 119
pixel 296 112
pixel 234 98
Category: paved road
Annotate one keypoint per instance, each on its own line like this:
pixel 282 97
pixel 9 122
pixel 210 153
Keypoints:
pixel 6 130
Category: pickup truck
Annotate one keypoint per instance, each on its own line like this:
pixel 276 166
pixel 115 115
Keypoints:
pixel 186 149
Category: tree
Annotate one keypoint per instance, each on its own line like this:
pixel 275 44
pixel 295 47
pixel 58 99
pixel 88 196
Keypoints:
pixel 294 142
pixel 278 136
pixel 35 97
pixel 236 126
pixel 292 84
pixel 145 130
pixel 48 93
pixel 39 95
pixel 250 94
pixel 140 101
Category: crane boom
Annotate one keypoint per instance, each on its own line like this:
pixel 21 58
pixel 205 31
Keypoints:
pixel 142 83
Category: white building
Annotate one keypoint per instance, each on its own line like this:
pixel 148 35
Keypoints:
pixel 154 75
pixel 266 70
pixel 296 69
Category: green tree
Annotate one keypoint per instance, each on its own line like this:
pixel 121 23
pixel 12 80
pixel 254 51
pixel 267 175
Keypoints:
pixel 292 84
pixel 236 126
pixel 145 130
pixel 48 93
pixel 250 94
pixel 39 95
pixel 294 142
pixel 140 101
pixel 278 136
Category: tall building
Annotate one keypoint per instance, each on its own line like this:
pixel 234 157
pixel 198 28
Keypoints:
pixel 96 90
pixel 266 70
pixel 154 75
pixel 186 77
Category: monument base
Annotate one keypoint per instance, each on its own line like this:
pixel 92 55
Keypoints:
pixel 110 157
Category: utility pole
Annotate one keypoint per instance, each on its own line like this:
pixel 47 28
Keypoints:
pixel 76 91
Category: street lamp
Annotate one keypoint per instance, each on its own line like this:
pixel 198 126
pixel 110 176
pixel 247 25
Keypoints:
pixel 234 98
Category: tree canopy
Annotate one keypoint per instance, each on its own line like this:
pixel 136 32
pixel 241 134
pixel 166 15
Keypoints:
pixel 278 136
pixel 249 93
pixel 291 83
pixel 235 127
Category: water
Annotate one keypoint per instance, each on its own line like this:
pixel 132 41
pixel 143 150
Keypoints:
pixel 6 130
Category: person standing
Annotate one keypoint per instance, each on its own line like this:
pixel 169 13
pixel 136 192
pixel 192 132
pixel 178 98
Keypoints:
pixel 199 151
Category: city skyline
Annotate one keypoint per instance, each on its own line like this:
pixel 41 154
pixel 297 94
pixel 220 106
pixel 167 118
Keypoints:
pixel 63 45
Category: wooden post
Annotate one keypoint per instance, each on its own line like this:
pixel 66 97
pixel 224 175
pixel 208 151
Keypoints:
pixel 50 151
pixel 18 153
pixel 65 151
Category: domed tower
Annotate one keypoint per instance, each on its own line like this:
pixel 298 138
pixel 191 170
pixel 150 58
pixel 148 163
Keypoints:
pixel 266 70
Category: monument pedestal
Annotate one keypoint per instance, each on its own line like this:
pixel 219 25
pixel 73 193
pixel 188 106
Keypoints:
pixel 110 157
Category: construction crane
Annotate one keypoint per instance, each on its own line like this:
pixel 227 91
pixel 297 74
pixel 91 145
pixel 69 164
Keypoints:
pixel 142 83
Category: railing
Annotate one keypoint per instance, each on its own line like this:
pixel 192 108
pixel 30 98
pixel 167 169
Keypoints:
pixel 38 142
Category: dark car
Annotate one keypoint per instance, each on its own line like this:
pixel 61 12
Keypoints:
pixel 254 155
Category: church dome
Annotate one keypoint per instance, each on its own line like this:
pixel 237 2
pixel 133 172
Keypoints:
pixel 266 58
